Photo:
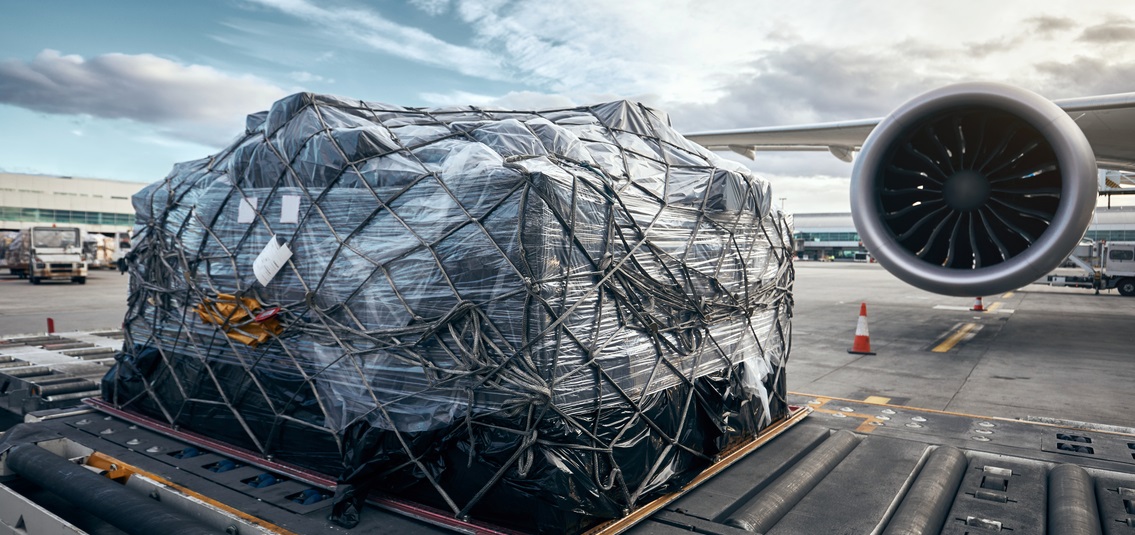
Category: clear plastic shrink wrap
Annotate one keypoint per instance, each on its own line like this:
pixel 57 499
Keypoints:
pixel 574 310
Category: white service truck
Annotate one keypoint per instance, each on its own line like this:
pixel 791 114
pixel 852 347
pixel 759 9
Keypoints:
pixel 45 253
pixel 1103 265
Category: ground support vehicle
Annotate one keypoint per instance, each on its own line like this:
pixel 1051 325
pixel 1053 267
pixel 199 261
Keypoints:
pixel 98 251
pixel 47 253
pixel 1099 266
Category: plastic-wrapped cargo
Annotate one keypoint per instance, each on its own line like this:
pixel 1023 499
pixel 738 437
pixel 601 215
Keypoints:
pixel 573 309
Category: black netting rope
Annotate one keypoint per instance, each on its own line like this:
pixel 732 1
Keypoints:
pixel 641 289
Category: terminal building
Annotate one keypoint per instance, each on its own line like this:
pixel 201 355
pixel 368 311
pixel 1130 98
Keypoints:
pixel 833 237
pixel 97 205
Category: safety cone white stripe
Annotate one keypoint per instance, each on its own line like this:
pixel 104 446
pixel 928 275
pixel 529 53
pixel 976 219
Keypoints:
pixel 861 327
pixel 861 345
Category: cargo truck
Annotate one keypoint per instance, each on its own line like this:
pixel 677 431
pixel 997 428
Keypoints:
pixel 1102 265
pixel 48 253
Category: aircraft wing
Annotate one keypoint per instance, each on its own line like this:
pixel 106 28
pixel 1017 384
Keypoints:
pixel 838 138
pixel 1108 121
pixel 1109 124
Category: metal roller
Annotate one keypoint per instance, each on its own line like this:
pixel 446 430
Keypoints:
pixel 74 395
pixel 926 504
pixel 767 508
pixel 1072 506
pixel 28 371
pixel 55 379
pixel 69 387
pixel 123 508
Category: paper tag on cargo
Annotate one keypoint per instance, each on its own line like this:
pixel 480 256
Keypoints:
pixel 270 261
pixel 290 209
pixel 247 211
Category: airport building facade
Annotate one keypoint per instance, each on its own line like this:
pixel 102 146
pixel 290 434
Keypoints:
pixel 833 236
pixel 97 205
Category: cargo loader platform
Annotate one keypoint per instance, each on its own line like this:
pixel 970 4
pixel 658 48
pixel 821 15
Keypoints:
pixel 846 467
pixel 51 371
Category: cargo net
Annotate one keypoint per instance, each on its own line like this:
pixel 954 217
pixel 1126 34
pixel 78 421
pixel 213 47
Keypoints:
pixel 574 310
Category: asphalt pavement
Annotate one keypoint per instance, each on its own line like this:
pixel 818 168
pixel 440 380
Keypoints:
pixel 1045 352
pixel 97 305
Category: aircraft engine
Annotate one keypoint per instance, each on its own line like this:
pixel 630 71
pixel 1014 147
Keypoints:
pixel 974 189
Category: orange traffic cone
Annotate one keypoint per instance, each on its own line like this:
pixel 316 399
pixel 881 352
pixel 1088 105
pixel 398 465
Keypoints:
pixel 977 305
pixel 862 343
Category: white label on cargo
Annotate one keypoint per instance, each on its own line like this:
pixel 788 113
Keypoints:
pixel 270 260
pixel 290 209
pixel 247 211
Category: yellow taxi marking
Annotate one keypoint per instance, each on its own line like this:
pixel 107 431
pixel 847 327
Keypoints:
pixel 1006 295
pixel 953 339
pixel 824 400
pixel 870 422
pixel 868 425
pixel 995 306
pixel 877 399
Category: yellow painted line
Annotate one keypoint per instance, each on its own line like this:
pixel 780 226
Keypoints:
pixel 870 422
pixel 865 427
pixel 868 425
pixel 1006 295
pixel 953 340
pixel 826 399
pixel 995 306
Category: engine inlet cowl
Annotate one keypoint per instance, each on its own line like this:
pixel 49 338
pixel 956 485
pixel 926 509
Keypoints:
pixel 973 189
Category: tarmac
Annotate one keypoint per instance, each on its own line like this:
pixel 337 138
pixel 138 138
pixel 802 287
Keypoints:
pixel 99 304
pixel 1038 352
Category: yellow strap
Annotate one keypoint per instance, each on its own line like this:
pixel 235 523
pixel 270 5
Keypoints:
pixel 236 319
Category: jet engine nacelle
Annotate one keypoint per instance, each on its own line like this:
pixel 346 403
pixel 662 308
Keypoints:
pixel 974 189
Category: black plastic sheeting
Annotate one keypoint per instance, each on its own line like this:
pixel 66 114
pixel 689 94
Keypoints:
pixel 538 319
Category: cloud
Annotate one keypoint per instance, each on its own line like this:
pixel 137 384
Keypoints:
pixel 456 98
pixel 1109 32
pixel 307 77
pixel 808 83
pixel 513 100
pixel 1085 75
pixel 197 99
pixel 371 30
pixel 432 7
pixel 630 48
pixel 532 100
pixel 1048 24
pixel 993 46
pixel 813 194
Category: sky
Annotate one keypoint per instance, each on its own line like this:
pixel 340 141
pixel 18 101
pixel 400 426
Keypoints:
pixel 125 89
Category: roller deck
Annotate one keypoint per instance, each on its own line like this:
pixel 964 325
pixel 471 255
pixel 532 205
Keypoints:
pixel 50 371
pixel 846 467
